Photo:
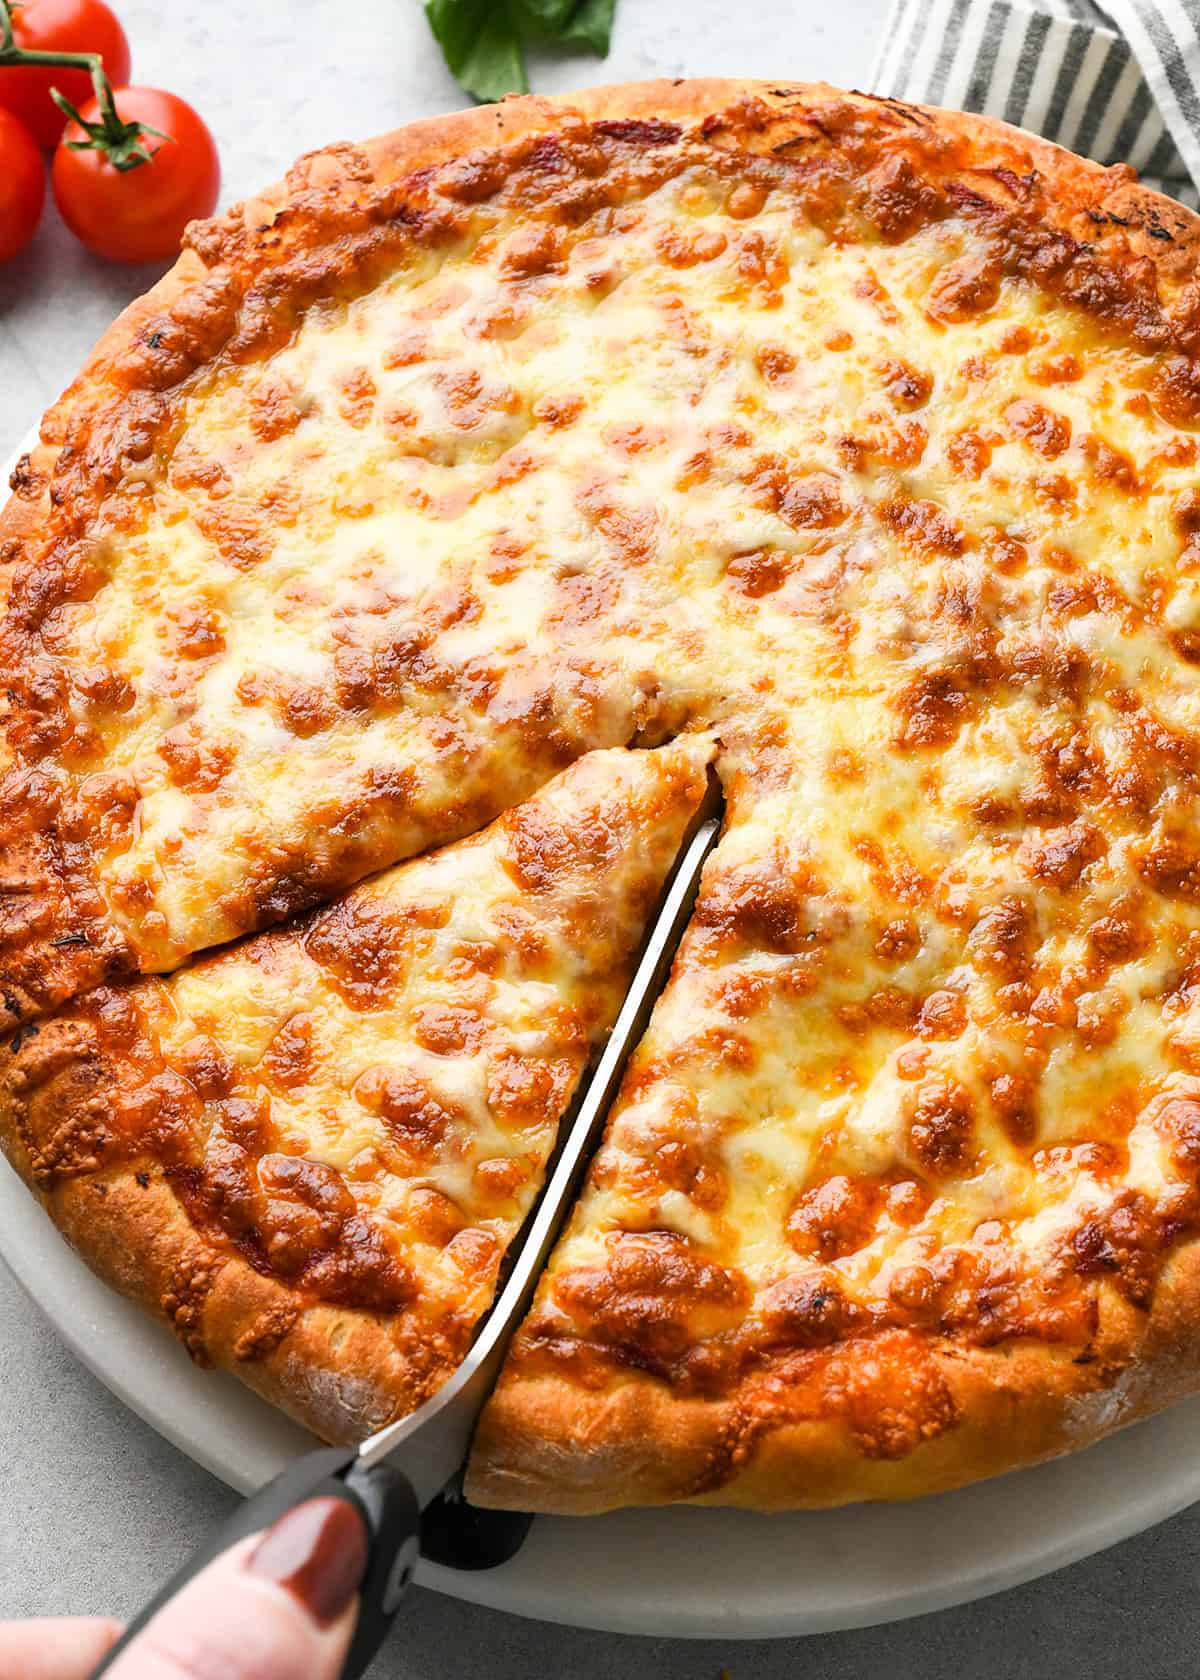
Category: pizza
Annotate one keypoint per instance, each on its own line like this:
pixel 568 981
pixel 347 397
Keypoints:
pixel 850 443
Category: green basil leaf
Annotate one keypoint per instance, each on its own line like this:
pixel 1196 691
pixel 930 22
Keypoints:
pixel 481 39
pixel 591 24
pixel 542 17
pixel 480 45
pixel 455 24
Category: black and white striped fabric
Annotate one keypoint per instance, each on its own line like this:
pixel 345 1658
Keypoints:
pixel 1120 85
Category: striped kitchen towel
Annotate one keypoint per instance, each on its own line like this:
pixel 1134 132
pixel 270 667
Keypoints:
pixel 1121 85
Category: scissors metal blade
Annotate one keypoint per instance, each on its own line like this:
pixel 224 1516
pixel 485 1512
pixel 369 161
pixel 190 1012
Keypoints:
pixel 430 1445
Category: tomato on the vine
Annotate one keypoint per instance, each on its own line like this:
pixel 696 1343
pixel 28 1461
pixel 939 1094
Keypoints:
pixel 131 210
pixel 86 26
pixel 22 185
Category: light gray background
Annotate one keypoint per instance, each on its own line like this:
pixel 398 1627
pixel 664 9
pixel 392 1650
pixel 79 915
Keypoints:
pixel 94 1507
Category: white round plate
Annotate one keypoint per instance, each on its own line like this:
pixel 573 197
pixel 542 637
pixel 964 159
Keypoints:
pixel 681 1572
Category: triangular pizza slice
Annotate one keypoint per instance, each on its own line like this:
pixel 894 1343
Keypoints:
pixel 309 1151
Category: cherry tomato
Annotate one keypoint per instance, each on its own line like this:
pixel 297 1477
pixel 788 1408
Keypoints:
pixel 59 26
pixel 22 186
pixel 137 215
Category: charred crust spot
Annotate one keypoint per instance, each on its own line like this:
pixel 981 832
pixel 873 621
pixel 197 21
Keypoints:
pixel 933 708
pixel 652 1296
pixel 1175 390
pixel 809 1311
pixel 760 572
pixel 968 287
pixel 1044 431
pixel 1058 857
pixel 632 131
pixel 267 1332
pixel 835 1218
pixel 365 944
pixel 899 940
pixel 24 480
pixel 896 1396
pixel 922 525
pixel 1013 1098
pixel 940 1127
pixel 184 1299
pixel 58 1084
pixel 907 386
pixel 1171 865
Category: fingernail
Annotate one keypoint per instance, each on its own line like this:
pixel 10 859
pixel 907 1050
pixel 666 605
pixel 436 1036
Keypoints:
pixel 318 1552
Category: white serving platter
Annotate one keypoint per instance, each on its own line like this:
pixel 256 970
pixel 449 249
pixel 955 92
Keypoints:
pixel 680 1572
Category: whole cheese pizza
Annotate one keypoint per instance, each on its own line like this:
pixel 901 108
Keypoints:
pixel 464 496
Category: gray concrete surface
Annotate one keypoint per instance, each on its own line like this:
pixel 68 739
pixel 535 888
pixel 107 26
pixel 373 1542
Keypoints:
pixel 94 1507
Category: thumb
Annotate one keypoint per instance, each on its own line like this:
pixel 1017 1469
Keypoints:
pixel 278 1606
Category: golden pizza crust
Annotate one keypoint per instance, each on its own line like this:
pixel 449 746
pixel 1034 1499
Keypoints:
pixel 544 1444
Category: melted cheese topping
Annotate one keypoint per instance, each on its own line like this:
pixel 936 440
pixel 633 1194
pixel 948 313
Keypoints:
pixel 517 497
pixel 912 534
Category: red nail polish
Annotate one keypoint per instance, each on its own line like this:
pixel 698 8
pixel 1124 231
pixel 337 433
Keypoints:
pixel 318 1552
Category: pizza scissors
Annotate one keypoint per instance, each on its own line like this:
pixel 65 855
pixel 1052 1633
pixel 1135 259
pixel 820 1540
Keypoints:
pixel 404 1481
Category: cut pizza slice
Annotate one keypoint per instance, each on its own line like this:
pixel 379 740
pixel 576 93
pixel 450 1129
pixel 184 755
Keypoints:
pixel 309 1151
pixel 903 1185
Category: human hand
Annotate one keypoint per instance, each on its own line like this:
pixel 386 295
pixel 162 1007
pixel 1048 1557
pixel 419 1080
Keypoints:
pixel 278 1606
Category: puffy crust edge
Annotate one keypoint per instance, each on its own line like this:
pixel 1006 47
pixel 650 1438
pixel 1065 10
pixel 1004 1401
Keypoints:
pixel 547 1446
pixel 336 1371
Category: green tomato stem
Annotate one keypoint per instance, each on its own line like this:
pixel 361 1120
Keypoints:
pixel 11 53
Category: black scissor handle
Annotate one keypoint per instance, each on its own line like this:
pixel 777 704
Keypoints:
pixel 387 1506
